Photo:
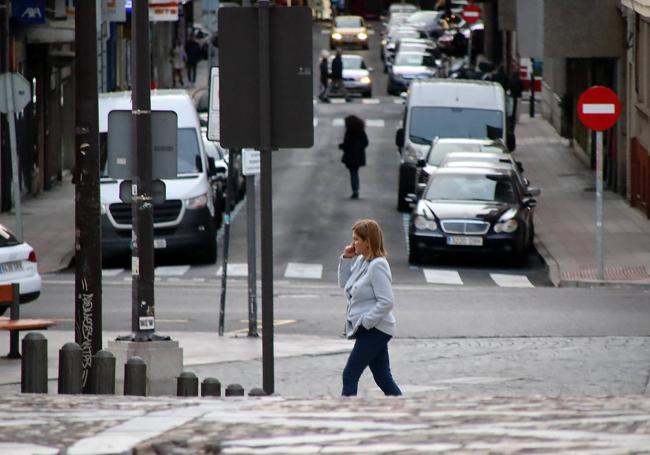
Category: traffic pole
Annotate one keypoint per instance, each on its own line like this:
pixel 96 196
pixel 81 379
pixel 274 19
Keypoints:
pixel 599 206
pixel 252 256
pixel 88 248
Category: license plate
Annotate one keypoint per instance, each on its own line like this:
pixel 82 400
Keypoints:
pixel 9 267
pixel 464 240
pixel 159 243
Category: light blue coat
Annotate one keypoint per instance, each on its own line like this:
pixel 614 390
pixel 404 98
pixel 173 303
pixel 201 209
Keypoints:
pixel 369 293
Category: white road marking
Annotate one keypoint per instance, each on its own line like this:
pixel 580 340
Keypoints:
pixel 315 122
pixel 398 101
pixel 337 101
pixel 239 269
pixel 301 270
pixel 511 281
pixel 598 109
pixel 337 122
pixel 378 123
pixel 112 272
pixel 176 270
pixel 442 276
pixel 370 101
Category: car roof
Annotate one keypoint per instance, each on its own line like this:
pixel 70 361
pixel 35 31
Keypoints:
pixel 498 165
pixel 463 140
pixel 480 155
pixel 471 170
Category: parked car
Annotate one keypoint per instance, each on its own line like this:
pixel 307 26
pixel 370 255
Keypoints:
pixel 218 159
pixel 483 157
pixel 356 75
pixel 407 44
pixel 349 31
pixel 426 22
pixel 472 209
pixel 506 164
pixel 441 147
pixel 18 265
pixel 389 43
pixel 407 67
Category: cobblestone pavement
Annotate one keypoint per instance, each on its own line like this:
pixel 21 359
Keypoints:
pixel 469 366
pixel 74 425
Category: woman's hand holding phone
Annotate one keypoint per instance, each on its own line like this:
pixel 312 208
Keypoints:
pixel 348 251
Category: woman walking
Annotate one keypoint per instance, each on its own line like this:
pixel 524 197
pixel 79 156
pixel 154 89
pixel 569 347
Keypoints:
pixel 354 146
pixel 365 276
pixel 324 75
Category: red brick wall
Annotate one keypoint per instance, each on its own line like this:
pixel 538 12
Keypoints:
pixel 640 183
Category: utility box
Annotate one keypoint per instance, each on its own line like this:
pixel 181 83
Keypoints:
pixel 291 78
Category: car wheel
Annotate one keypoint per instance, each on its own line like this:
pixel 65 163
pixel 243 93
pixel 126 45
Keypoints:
pixel 415 255
pixel 405 186
pixel 365 47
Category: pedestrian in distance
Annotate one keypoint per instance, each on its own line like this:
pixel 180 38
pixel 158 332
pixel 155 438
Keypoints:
pixel 324 75
pixel 354 146
pixel 194 54
pixel 364 274
pixel 177 59
pixel 515 87
pixel 336 76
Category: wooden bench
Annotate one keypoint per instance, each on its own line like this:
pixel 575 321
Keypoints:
pixel 10 296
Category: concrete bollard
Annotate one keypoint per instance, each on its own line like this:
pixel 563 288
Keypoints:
pixel 33 367
pixel 187 385
pixel 256 392
pixel 234 390
pixel 135 377
pixel 70 369
pixel 102 373
pixel 210 387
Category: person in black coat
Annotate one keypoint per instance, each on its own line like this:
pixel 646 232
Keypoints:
pixel 337 77
pixel 324 74
pixel 194 54
pixel 354 146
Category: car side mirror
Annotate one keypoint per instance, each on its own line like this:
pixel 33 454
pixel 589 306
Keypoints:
pixel 421 163
pixel 520 166
pixel 534 191
pixel 399 138
pixel 530 202
pixel 212 168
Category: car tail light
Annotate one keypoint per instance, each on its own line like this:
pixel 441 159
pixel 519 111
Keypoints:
pixel 32 256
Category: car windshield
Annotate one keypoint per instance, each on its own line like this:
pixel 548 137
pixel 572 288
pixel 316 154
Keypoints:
pixel 440 150
pixel 189 153
pixel 474 158
pixel 353 62
pixel 472 187
pixel 429 122
pixel 422 16
pixel 409 59
pixel 348 22
pixel 7 238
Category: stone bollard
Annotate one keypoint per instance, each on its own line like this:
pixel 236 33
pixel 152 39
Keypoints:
pixel 70 369
pixel 135 377
pixel 33 367
pixel 187 385
pixel 234 390
pixel 102 373
pixel 210 387
pixel 256 392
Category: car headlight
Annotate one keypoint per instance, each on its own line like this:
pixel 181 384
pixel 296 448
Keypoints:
pixel 362 36
pixel 508 226
pixel 422 223
pixel 197 202
pixel 337 36
pixel 365 80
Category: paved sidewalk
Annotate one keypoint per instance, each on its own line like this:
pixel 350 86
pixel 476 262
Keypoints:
pixel 565 214
pixel 79 425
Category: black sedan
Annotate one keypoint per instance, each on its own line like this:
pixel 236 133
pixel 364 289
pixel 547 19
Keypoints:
pixel 472 209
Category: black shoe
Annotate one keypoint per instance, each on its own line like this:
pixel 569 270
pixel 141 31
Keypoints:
pixel 354 196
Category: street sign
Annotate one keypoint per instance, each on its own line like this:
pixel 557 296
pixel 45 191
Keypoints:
pixel 598 108
pixel 213 110
pixel 471 13
pixel 250 162
pixel 22 91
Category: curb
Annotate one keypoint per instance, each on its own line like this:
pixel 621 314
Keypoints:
pixel 551 264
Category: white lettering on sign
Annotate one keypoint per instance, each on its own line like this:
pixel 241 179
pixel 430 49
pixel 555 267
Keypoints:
pixel 146 323
pixel 598 109
pixel 471 14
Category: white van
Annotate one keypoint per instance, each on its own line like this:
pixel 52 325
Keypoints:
pixel 447 108
pixel 185 222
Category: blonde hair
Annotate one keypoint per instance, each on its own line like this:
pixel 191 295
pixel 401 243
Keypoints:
pixel 370 231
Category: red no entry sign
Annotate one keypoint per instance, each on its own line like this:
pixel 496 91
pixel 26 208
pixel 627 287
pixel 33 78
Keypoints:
pixel 598 108
pixel 471 13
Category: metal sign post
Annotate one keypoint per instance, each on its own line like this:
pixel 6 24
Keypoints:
pixel 251 167
pixel 599 109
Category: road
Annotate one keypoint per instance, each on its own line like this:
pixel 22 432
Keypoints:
pixel 480 305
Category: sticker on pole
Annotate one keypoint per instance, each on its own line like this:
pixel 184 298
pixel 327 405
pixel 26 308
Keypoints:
pixel 598 108
pixel 471 13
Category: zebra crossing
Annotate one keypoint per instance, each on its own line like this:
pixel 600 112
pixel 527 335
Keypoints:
pixel 298 271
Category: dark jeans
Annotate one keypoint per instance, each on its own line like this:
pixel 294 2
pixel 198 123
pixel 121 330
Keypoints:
pixel 191 72
pixel 354 179
pixel 370 350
